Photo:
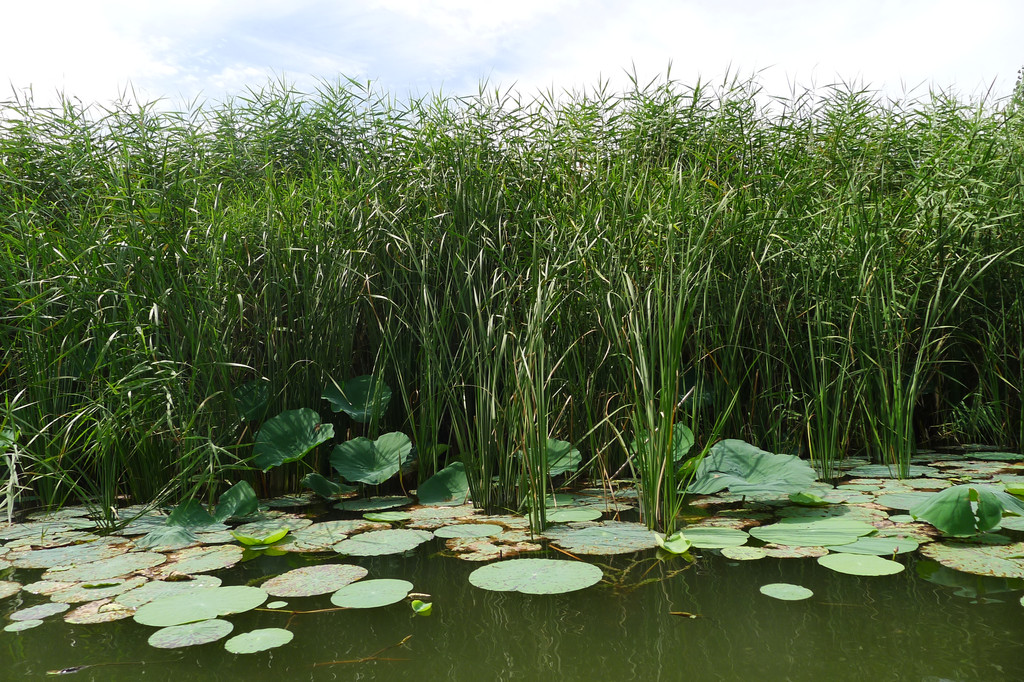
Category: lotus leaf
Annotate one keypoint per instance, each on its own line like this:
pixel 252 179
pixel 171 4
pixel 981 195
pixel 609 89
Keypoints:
pixel 39 611
pixel 469 530
pixel 966 509
pixel 744 553
pixel 1001 561
pixel 380 542
pixel 19 625
pixel 374 503
pixel 201 560
pixel 422 608
pixel 268 536
pixel 369 594
pixel 82 592
pixel 676 543
pixel 711 537
pixel 387 516
pixel 574 515
pixel 273 524
pixel 168 538
pixel 8 588
pixel 325 487
pixel 158 589
pixel 238 500
pixel 536 576
pixel 362 398
pixel 808 500
pixel 199 604
pixel 860 564
pixel 102 569
pixel 258 640
pixel 190 634
pixel 251 399
pixel 288 436
pixel 889 471
pixel 786 591
pixel 322 536
pixel 745 469
pixel 308 581
pixel 813 532
pixel 372 461
pixel 562 457
pixel 878 545
pixel 67 556
pixel 447 486
pixel 682 441
pixel 100 611
pixel 608 537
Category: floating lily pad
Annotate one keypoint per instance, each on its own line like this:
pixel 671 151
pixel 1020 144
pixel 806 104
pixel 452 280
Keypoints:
pixel 380 542
pixel 889 471
pixel 258 640
pixel 710 537
pixel 39 611
pixel 200 604
pixel 82 592
pixel 860 564
pixel 276 604
pixel 387 516
pixel 814 532
pixel 158 589
pixel 312 580
pixel 609 537
pixel 475 549
pixel 8 588
pixel 744 553
pixel 791 552
pixel 878 545
pixel 903 501
pixel 274 523
pixel 190 634
pixel 369 594
pixel 1001 561
pixel 322 536
pixel 469 530
pixel 573 515
pixel 19 625
pixel 374 503
pixel 68 556
pixel 786 591
pixel 111 567
pixel 201 560
pixel 536 576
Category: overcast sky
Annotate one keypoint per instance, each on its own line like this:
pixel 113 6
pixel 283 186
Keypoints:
pixel 210 49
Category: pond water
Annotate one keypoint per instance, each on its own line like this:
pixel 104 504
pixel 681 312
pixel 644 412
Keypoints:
pixel 898 627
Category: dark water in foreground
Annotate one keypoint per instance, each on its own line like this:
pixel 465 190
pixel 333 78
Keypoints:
pixel 886 628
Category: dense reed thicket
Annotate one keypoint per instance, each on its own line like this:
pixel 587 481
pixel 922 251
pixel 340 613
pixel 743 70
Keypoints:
pixel 826 273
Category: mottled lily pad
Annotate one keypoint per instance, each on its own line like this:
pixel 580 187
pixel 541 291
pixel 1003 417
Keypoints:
pixel 860 564
pixel 387 516
pixel 312 580
pixel 8 588
pixel 112 567
pixel 889 471
pixel 786 591
pixel 99 611
pixel 201 560
pixel 19 625
pixel 1001 561
pixel 82 592
pixel 158 589
pixel 67 556
pixel 258 640
pixel 476 549
pixel 710 537
pixel 744 553
pixel 366 504
pixel 322 536
pixel 536 576
pixel 39 611
pixel 380 542
pixel 369 594
pixel 273 524
pixel 878 545
pixel 190 634
pixel 813 532
pixel 469 530
pixel 573 515
pixel 200 604
pixel 609 537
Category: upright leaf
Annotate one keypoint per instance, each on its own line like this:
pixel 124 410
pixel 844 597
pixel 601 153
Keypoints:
pixel 288 436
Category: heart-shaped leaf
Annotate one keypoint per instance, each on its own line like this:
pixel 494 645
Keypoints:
pixel 288 436
pixel 372 462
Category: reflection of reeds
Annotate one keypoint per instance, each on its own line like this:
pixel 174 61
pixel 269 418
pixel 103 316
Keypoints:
pixel 819 271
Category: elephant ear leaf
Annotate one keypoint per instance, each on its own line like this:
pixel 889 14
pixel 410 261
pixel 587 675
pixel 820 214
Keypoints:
pixel 372 462
pixel 288 436
pixel 964 510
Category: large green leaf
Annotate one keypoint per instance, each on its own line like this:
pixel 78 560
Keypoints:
pixel 201 603
pixel 252 398
pixel 682 441
pixel 536 576
pixel 449 485
pixel 369 594
pixel 372 462
pixel 562 457
pixel 238 500
pixel 288 436
pixel 324 487
pixel 745 470
pixel 362 398
pixel 963 510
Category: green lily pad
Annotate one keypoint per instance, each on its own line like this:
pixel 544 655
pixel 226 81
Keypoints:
pixel 308 581
pixel 573 514
pixel 860 564
pixel 744 553
pixel 202 603
pixel 998 456
pixel 608 537
pixel 19 625
pixel 813 532
pixel 372 462
pixel 380 542
pixel 387 516
pixel 112 567
pixel 68 556
pixel 808 500
pixel 469 530
pixel 889 471
pixel 362 398
pixel 903 501
pixel 366 504
pixel 369 594
pixel 1001 561
pixel 447 486
pixel 877 545
pixel 190 634
pixel 158 589
pixel 39 611
pixel 713 537
pixel 786 591
pixel 9 588
pixel 258 640
pixel 288 437
pixel 201 560
pixel 82 592
pixel 276 604
pixel 536 576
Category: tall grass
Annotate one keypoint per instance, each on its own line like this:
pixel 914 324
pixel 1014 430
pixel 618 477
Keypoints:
pixel 825 273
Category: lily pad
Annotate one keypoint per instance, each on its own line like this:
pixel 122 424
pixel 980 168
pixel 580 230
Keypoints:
pixel 83 592
pixel 387 516
pixel 258 640
pixel 878 545
pixel 19 625
pixel 312 580
pixel 287 437
pixel 158 589
pixel 609 537
pixel 745 469
pixel 8 588
pixel 380 542
pixel 267 526
pixel 536 576
pixel 366 504
pixel 744 553
pixel 320 537
pixel 39 611
pixel 711 537
pixel 362 398
pixel 201 560
pixel 786 591
pixel 860 564
pixel 99 611
pixel 190 634
pixel 890 471
pixel 573 515
pixel 469 530
pixel 200 604
pixel 372 462
pixel 68 556
pixel 112 567
pixel 1001 561
pixel 369 594
pixel 813 532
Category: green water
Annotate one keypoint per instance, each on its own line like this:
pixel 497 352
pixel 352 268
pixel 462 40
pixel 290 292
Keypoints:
pixel 886 628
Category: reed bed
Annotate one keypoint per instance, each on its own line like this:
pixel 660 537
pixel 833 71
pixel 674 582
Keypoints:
pixel 826 273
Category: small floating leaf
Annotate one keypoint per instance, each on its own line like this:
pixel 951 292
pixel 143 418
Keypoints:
pixel 536 576
pixel 878 545
pixel 380 542
pixel 673 544
pixel 469 530
pixel 190 634
pixel 258 640
pixel 860 564
pixel 786 591
pixel 39 611
pixel 387 516
pixel 19 625
pixel 369 594
pixel 744 553
pixel 8 588
pixel 422 608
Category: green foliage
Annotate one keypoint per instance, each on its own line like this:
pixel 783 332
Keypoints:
pixel 745 469
pixel 288 437
pixel 363 398
pixel 372 462
pixel 964 510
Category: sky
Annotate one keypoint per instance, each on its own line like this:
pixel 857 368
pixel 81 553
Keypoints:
pixel 211 50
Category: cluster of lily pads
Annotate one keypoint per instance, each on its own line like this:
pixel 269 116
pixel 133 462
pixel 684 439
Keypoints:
pixel 746 504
